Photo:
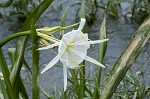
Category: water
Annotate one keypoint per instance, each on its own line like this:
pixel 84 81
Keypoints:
pixel 120 33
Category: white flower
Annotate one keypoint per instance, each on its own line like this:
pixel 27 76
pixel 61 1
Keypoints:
pixel 72 50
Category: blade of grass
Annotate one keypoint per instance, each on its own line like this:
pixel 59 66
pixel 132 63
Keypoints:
pixel 3 90
pixel 101 54
pixel 127 59
pixel 63 22
pixel 45 93
pixel 6 74
pixel 19 86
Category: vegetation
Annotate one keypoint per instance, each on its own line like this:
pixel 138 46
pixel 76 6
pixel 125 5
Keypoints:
pixel 118 83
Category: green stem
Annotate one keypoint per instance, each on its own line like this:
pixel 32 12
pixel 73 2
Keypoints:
pixel 82 81
pixel 67 27
pixel 13 36
pixel 82 71
pixel 6 74
pixel 35 65
pixel 49 31
pixel 101 54
pixel 75 81
pixel 74 76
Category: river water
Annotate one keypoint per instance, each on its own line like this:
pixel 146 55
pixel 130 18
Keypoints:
pixel 120 33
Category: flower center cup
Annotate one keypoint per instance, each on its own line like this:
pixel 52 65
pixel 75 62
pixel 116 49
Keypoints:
pixel 75 41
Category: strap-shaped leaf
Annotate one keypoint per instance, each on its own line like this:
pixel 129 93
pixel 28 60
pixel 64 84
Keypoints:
pixel 126 59
pixel 33 17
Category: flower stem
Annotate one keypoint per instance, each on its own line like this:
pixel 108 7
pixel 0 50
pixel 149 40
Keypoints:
pixel 35 64
pixel 82 80
pixel 75 80
pixel 82 72
pixel 13 36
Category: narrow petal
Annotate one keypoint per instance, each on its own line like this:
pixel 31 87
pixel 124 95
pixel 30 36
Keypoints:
pixel 98 41
pixel 65 77
pixel 82 23
pixel 94 61
pixel 88 58
pixel 80 54
pixel 82 43
pixel 48 47
pixel 52 63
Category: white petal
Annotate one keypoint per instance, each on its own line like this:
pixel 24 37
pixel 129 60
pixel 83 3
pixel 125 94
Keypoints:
pixel 48 47
pixel 80 36
pixel 82 55
pixel 89 59
pixel 52 63
pixel 68 36
pixel 64 59
pixel 82 23
pixel 76 57
pixel 65 77
pixel 98 41
pixel 82 43
pixel 94 61
pixel 62 46
pixel 71 59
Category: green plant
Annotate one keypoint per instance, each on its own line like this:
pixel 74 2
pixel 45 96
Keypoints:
pixel 20 8
pixel 82 86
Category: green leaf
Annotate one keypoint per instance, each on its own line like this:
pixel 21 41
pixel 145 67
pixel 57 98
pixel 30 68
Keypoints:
pixel 126 60
pixel 36 13
pixel 33 17
pixel 19 86
pixel 3 90
pixel 6 74
pixel 101 54
pixel 6 4
pixel 63 22
pixel 63 18
pixel 82 14
pixel 11 53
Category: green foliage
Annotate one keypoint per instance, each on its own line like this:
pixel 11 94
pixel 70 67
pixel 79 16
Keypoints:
pixel 6 4
pixel 20 8
pixel 133 86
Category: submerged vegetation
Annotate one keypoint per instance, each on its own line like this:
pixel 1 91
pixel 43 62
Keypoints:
pixel 119 82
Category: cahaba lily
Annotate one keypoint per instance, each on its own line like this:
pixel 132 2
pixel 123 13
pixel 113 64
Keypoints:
pixel 72 50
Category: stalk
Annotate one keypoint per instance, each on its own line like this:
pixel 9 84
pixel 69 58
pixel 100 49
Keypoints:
pixel 13 36
pixel 35 65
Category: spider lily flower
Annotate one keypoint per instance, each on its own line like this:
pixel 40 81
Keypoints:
pixel 72 50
